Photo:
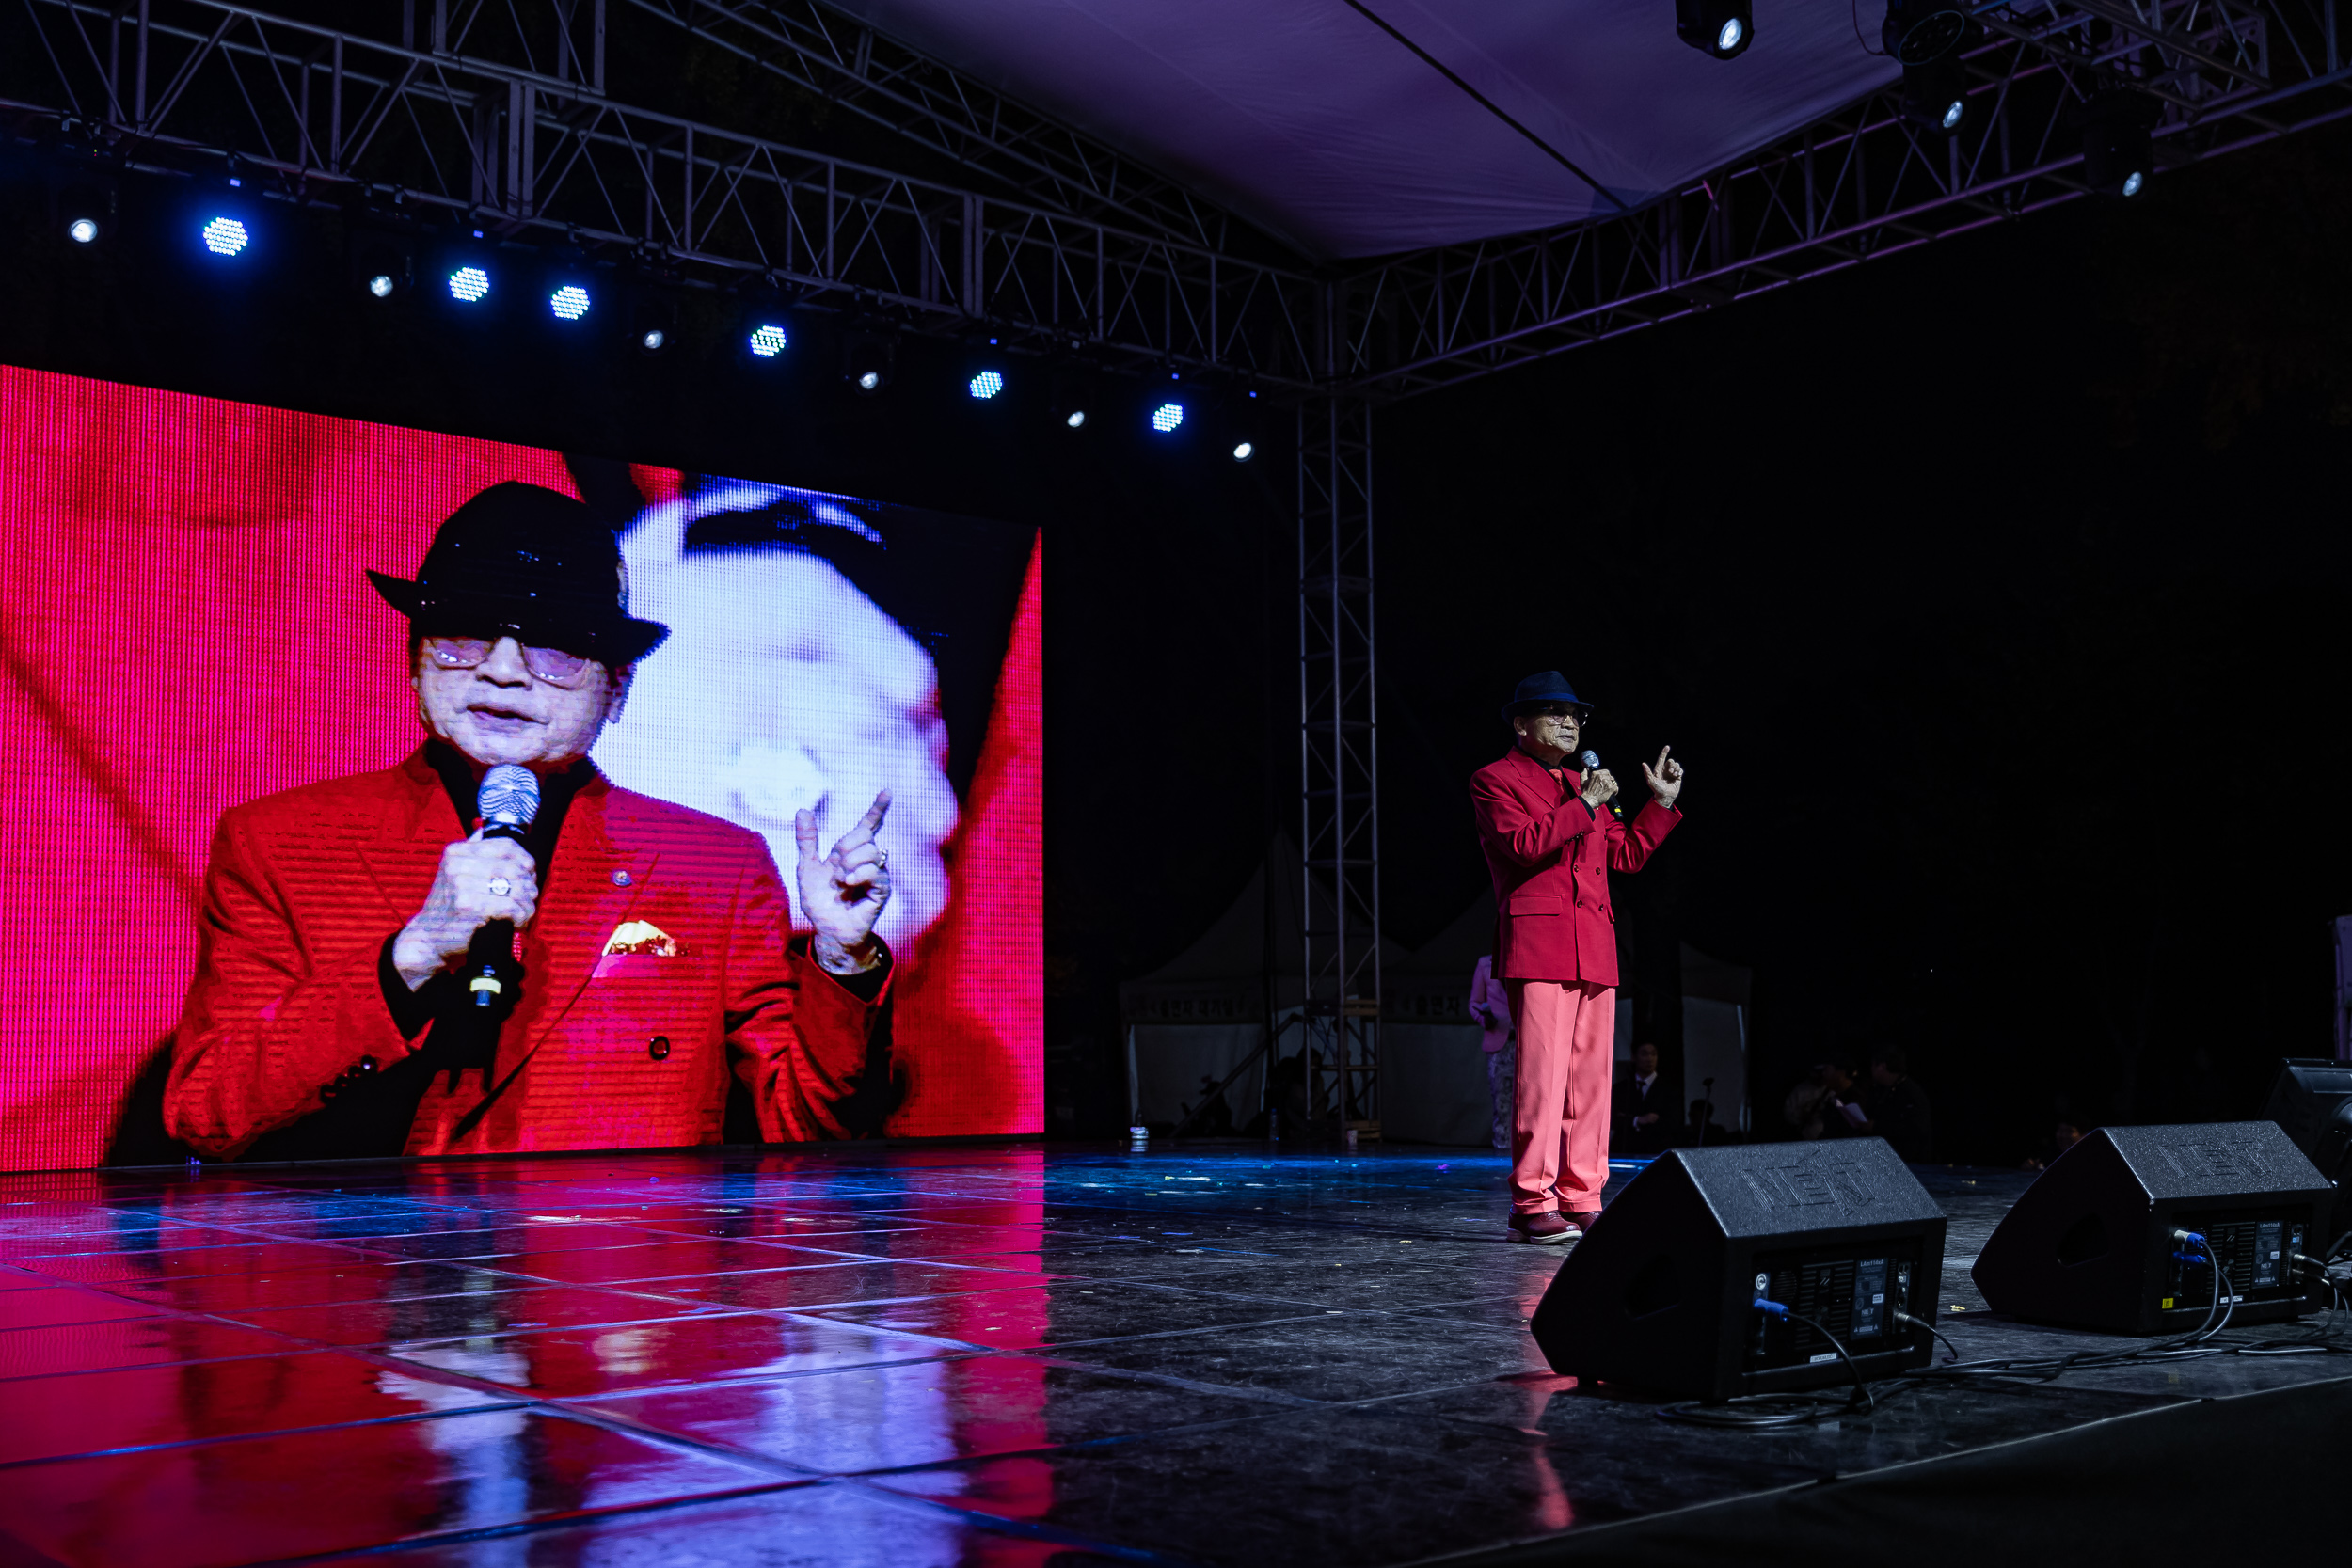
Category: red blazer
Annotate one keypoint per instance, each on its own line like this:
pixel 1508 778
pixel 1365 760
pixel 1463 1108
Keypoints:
pixel 303 887
pixel 1550 860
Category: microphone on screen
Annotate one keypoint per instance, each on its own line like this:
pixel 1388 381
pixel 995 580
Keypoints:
pixel 507 803
pixel 1590 762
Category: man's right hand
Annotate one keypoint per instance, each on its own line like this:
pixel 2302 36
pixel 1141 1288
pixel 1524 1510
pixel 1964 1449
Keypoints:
pixel 1600 786
pixel 461 902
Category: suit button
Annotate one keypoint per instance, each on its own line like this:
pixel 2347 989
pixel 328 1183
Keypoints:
pixel 658 1047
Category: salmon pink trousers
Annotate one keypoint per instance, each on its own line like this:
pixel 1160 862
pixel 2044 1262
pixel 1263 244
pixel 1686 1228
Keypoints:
pixel 1559 1125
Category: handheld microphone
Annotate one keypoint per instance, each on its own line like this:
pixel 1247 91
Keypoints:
pixel 1590 762
pixel 507 803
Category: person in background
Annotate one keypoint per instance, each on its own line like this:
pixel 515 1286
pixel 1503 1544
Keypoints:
pixel 1896 1108
pixel 1637 1120
pixel 1812 1103
pixel 1217 1118
pixel 2065 1136
pixel 1490 1004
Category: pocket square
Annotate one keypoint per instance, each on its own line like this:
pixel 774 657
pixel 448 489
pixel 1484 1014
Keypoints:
pixel 644 939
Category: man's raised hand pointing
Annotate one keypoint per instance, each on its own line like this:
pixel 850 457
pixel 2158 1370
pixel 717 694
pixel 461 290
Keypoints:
pixel 842 893
pixel 1666 777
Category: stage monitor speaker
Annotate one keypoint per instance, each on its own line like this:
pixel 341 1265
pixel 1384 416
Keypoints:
pixel 2313 1102
pixel 2090 1242
pixel 1660 1293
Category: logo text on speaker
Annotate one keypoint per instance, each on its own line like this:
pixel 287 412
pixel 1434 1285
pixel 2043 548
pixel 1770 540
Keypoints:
pixel 1801 1185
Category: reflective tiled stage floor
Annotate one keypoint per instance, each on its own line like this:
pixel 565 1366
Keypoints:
pixel 879 1357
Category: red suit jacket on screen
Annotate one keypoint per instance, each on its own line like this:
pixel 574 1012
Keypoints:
pixel 303 887
pixel 1550 858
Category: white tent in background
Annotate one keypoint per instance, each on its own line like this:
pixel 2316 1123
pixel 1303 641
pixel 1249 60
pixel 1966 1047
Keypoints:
pixel 1433 1063
pixel 1714 1035
pixel 1433 1074
pixel 1202 1012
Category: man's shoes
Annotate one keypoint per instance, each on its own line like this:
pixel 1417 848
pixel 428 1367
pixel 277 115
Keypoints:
pixel 1548 1230
pixel 1580 1220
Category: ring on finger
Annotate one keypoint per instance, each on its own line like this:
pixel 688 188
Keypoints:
pixel 500 887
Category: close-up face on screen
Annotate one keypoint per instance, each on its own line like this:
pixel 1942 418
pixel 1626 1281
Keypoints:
pixel 375 791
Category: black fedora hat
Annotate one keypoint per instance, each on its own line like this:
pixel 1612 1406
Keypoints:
pixel 1542 690
pixel 531 561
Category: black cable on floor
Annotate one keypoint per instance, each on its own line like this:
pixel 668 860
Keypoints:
pixel 1755 1412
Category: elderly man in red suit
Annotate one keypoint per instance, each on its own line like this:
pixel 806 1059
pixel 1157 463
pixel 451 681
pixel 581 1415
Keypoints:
pixel 1551 837
pixel 652 960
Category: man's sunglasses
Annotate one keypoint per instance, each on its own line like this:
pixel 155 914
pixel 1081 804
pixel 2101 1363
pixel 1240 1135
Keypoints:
pixel 1557 710
pixel 552 665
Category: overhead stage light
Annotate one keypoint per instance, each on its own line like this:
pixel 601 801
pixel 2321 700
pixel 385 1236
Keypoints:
pixel 1168 417
pixel 1917 31
pixel 1074 393
pixel 226 236
pixel 1935 94
pixel 986 384
pixel 1720 29
pixel 2119 143
pixel 764 327
pixel 382 260
pixel 568 303
pixel 1236 419
pixel 867 359
pixel 86 203
pixel 468 285
pixel 1924 37
pixel 653 313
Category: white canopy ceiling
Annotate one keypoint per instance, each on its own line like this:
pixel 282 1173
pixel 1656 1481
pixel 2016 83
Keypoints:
pixel 1305 117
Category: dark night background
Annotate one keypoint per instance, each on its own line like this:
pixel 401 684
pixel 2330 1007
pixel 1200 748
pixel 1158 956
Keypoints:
pixel 1992 595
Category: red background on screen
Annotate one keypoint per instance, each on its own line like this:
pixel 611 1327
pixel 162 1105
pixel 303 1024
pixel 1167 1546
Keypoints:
pixel 184 626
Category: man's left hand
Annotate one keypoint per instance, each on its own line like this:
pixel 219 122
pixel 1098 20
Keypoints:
pixel 843 892
pixel 1666 777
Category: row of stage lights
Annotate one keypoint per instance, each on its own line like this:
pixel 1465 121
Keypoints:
pixel 385 272
pixel 1926 37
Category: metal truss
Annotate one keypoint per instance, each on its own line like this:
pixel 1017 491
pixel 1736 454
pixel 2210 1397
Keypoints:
pixel 504 114
pixel 499 114
pixel 1339 750
pixel 1866 181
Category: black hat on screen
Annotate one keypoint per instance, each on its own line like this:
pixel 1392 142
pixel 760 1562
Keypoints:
pixel 1542 690
pixel 529 563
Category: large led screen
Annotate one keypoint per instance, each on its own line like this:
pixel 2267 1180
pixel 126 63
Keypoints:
pixel 223 809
